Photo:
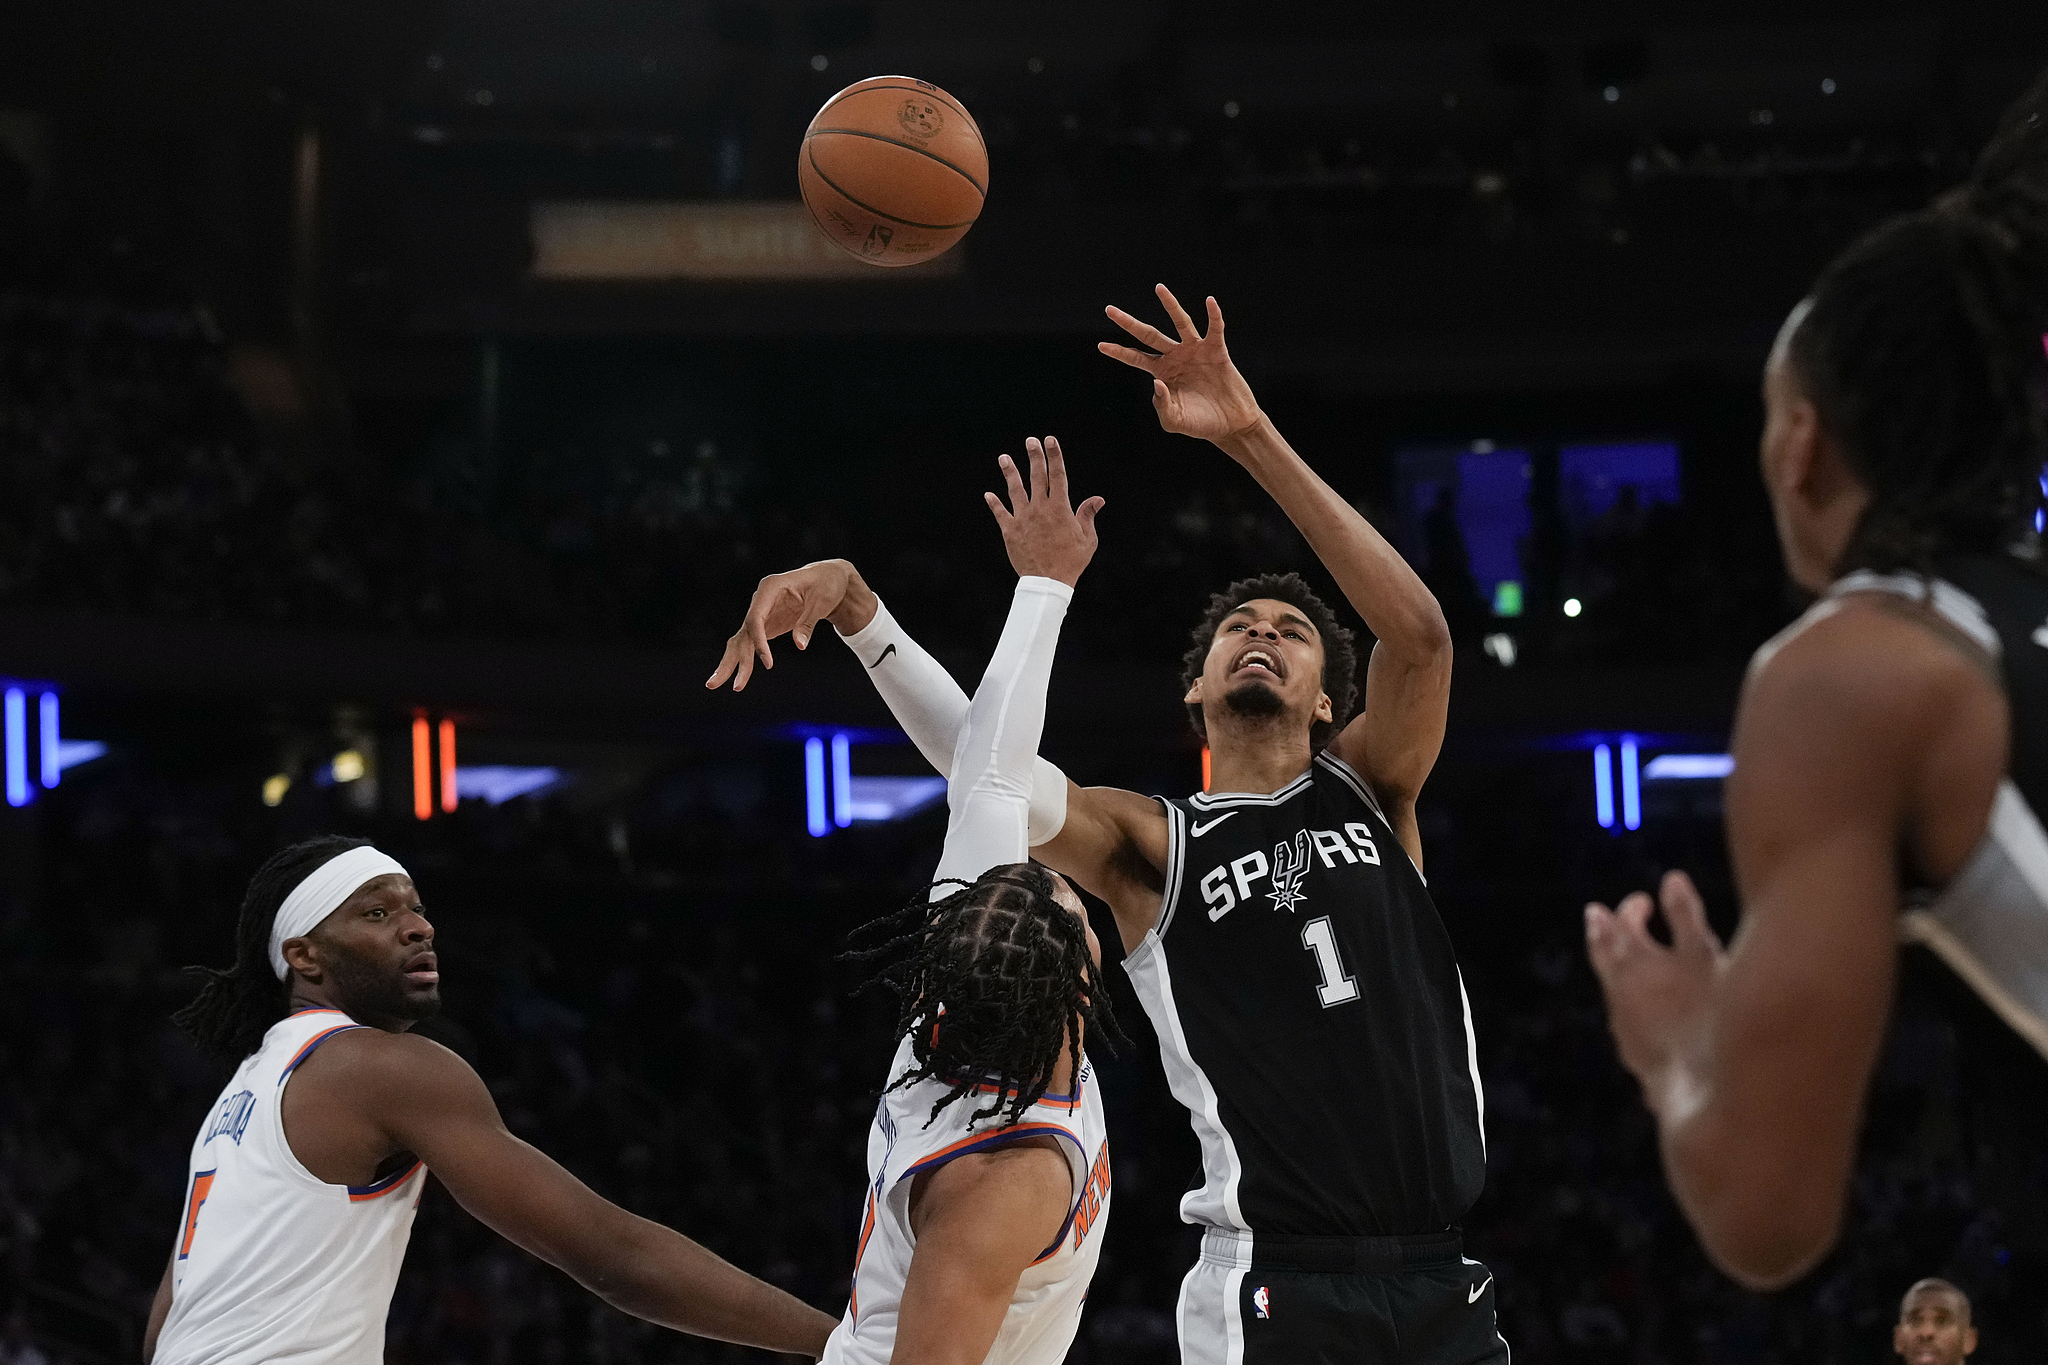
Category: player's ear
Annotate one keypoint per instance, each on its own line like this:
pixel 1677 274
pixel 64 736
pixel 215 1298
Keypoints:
pixel 1324 711
pixel 303 959
pixel 1194 696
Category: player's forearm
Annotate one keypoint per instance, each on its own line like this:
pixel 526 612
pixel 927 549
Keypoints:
pixel 1763 1220
pixel 1381 587
pixel 159 1309
pixel 930 705
pixel 989 792
pixel 656 1273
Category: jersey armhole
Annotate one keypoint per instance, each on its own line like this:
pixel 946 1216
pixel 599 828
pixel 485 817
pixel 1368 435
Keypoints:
pixel 1077 1171
pixel 1176 862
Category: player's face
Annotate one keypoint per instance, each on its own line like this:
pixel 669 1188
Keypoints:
pixel 377 954
pixel 1787 452
pixel 1934 1329
pixel 1266 661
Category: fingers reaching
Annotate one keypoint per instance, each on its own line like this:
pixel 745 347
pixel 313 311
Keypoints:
pixel 1012 481
pixel 1141 329
pixel 1182 323
pixel 1056 471
pixel 1034 450
pixel 1086 513
pixel 1215 319
pixel 1686 912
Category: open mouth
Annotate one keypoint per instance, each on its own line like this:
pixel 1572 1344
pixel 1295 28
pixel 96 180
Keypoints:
pixel 1258 662
pixel 423 970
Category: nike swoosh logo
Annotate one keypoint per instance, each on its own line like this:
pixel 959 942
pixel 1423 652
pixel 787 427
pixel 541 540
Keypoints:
pixel 1198 830
pixel 1473 1297
pixel 885 654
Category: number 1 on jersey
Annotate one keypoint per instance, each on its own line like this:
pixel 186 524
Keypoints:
pixel 1336 988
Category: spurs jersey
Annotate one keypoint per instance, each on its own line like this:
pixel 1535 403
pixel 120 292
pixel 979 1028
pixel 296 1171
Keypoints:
pixel 1311 1016
pixel 1046 1307
pixel 271 1263
pixel 1989 925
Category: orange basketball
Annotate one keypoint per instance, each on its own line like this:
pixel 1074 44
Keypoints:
pixel 893 169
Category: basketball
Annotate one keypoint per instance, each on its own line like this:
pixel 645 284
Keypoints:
pixel 894 170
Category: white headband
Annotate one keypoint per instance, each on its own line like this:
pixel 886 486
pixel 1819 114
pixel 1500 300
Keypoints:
pixel 322 893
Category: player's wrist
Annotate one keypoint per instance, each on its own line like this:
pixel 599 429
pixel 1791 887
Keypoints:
pixel 1248 441
pixel 857 605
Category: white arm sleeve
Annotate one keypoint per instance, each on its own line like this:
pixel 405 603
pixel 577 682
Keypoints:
pixel 932 710
pixel 988 795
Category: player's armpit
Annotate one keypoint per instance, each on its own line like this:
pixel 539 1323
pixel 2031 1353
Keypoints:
pixel 431 1103
pixel 1835 732
pixel 979 1222
pixel 1114 845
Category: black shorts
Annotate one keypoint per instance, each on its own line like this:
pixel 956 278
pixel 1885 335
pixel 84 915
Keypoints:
pixel 1337 1301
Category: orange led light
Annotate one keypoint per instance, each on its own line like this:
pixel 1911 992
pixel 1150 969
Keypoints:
pixel 448 766
pixel 422 770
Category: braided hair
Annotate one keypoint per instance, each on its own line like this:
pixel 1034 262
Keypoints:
pixel 997 980
pixel 236 1007
pixel 1921 350
pixel 1340 647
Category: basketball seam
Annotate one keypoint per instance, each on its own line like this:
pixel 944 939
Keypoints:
pixel 979 188
pixel 947 100
pixel 870 208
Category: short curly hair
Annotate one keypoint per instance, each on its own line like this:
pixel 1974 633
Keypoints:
pixel 1340 647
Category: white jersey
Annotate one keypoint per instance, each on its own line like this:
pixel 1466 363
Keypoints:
pixel 1045 1309
pixel 274 1265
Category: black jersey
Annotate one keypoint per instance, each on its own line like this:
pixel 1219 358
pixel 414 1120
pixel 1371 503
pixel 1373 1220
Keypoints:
pixel 1311 1016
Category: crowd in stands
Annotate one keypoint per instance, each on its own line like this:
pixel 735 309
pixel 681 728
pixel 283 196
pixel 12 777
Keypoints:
pixel 134 482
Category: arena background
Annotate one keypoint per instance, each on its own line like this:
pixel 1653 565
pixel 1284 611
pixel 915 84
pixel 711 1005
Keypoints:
pixel 398 402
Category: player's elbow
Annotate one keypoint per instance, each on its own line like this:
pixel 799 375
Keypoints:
pixel 1773 1242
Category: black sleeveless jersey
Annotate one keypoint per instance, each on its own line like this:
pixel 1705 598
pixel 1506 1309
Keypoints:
pixel 1311 1016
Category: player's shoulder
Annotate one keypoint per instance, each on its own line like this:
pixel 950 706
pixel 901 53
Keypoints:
pixel 378 1064
pixel 1871 661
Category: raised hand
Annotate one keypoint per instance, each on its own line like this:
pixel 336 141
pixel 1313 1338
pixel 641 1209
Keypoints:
pixel 1659 999
pixel 793 603
pixel 1195 389
pixel 1044 533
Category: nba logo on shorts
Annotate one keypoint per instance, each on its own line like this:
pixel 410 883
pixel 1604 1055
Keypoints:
pixel 1261 1302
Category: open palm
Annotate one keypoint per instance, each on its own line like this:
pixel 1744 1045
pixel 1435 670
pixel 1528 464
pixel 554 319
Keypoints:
pixel 1195 388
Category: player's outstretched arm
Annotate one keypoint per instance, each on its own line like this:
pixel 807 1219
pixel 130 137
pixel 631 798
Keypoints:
pixel 979 1221
pixel 428 1101
pixel 1198 391
pixel 1755 1059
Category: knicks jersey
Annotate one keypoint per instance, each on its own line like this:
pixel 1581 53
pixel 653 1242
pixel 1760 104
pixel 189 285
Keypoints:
pixel 1311 1016
pixel 271 1262
pixel 1046 1306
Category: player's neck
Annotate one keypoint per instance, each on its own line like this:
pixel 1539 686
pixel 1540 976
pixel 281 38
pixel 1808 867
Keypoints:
pixel 1259 763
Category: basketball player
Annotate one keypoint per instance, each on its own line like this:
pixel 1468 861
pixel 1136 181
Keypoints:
pixel 1891 747
pixel 304 1179
pixel 1934 1325
pixel 1309 1008
pixel 988 1161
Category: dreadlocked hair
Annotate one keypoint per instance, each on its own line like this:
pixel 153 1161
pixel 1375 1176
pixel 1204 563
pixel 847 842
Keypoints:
pixel 236 1007
pixel 1921 349
pixel 996 981
pixel 1340 647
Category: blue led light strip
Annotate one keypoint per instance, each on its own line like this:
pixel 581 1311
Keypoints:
pixel 16 708
pixel 51 752
pixel 1631 785
pixel 1603 785
pixel 814 787
pixel 842 780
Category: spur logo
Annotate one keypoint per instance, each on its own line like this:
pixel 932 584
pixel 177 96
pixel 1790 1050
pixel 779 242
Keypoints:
pixel 1228 885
